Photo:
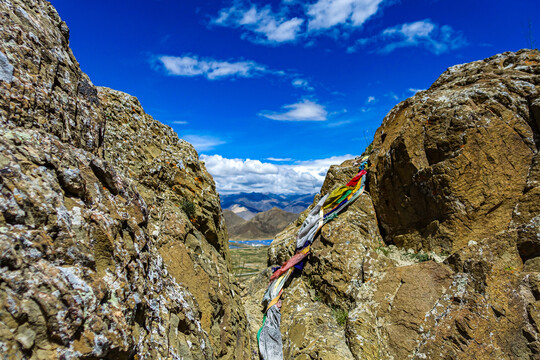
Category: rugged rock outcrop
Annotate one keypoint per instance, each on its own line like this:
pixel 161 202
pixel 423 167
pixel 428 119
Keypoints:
pixel 451 163
pixel 185 219
pixel 80 276
pixel 41 84
pixel 112 240
pixel 440 258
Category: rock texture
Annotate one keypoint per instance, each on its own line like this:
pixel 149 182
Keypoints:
pixel 41 84
pixel 185 219
pixel 112 240
pixel 80 275
pixel 454 161
pixel 440 259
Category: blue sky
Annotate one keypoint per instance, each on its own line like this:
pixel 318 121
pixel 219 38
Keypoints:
pixel 272 92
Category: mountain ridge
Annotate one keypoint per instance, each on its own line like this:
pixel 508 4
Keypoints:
pixel 247 205
pixel 264 225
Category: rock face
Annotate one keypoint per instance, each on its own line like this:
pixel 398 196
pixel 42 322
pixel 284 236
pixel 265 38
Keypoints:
pixel 41 84
pixel 112 240
pixel 185 219
pixel 441 258
pixel 80 274
pixel 454 161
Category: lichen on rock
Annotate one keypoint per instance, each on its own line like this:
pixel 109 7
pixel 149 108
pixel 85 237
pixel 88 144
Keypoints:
pixel 451 162
pixel 99 259
pixel 80 274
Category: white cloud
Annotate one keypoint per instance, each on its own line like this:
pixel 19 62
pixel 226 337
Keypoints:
pixel 179 122
pixel 392 95
pixel 436 39
pixel 410 31
pixel 371 99
pixel 266 25
pixel 278 159
pixel 245 175
pixel 414 91
pixel 211 69
pixel 359 43
pixel 305 110
pixel 202 142
pixel 294 20
pixel 339 123
pixel 301 83
pixel 325 14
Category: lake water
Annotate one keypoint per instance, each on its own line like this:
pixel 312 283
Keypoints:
pixel 234 244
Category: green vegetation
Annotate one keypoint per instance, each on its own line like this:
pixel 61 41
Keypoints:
pixel 383 249
pixel 420 257
pixel 248 260
pixel 340 315
pixel 189 208
pixel 369 149
pixel 309 283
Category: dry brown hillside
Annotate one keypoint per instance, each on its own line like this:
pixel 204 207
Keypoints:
pixel 264 225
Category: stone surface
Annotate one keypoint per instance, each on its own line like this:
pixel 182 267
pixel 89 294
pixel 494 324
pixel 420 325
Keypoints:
pixel 6 69
pixel 193 243
pixel 526 216
pixel 112 240
pixel 80 276
pixel 452 161
pixel 310 329
pixel 342 255
pixel 41 85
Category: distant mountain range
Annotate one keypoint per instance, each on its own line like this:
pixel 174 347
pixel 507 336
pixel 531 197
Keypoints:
pixel 247 205
pixel 254 216
pixel 264 225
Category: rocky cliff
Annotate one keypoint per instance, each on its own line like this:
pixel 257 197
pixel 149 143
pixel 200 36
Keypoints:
pixel 439 259
pixel 454 161
pixel 112 240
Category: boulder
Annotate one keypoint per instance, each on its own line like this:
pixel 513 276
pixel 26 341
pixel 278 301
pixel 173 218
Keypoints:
pixel 451 163
pixel 391 324
pixel 81 276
